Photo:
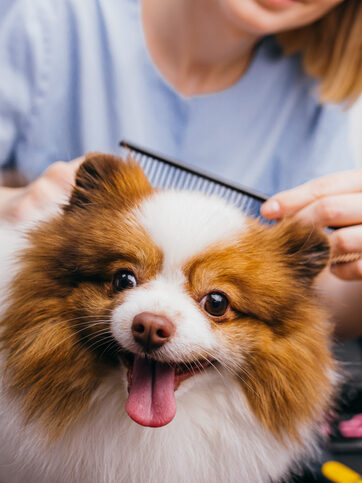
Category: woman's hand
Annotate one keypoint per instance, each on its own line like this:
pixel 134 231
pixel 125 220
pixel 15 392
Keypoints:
pixel 334 200
pixel 41 196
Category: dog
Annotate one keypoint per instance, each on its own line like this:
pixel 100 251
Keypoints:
pixel 159 336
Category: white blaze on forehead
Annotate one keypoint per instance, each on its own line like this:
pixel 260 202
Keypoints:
pixel 183 223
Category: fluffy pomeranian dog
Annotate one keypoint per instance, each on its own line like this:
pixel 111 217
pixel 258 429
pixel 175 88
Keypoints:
pixel 159 336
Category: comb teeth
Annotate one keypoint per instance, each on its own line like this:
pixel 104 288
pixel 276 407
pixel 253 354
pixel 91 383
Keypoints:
pixel 168 174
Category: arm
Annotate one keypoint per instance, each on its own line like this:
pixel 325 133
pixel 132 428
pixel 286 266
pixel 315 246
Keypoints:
pixel 344 301
pixel 334 200
pixel 49 190
pixel 24 47
pixel 7 197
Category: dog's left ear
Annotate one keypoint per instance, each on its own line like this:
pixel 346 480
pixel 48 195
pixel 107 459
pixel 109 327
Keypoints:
pixel 304 248
pixel 107 179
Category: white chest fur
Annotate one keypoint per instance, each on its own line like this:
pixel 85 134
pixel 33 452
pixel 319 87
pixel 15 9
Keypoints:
pixel 214 437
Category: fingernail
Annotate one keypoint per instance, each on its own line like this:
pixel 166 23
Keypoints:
pixel 271 208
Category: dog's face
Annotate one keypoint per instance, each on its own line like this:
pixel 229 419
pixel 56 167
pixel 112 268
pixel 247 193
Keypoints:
pixel 166 286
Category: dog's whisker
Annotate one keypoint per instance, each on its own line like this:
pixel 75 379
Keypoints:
pixel 99 343
pixel 233 370
pixel 212 364
pixel 86 317
pixel 60 343
pixel 81 323
pixel 85 324
pixel 109 345
pixel 238 376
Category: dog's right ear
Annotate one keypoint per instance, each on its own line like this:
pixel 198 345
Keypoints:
pixel 107 179
pixel 304 248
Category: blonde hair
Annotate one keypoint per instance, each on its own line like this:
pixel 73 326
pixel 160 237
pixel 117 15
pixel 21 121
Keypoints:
pixel 331 50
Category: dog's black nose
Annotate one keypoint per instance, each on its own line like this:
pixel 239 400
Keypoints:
pixel 152 330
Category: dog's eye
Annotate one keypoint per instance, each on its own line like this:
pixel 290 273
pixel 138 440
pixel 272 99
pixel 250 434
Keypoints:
pixel 124 279
pixel 215 303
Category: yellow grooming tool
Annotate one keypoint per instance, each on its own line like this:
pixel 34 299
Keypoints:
pixel 339 473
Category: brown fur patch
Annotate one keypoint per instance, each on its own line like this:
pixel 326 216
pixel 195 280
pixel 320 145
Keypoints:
pixel 276 333
pixel 101 176
pixel 56 331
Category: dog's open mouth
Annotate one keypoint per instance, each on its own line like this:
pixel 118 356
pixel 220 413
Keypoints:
pixel 151 386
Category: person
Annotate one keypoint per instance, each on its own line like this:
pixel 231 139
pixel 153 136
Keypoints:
pixel 253 90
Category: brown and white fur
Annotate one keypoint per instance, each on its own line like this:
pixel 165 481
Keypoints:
pixel 255 381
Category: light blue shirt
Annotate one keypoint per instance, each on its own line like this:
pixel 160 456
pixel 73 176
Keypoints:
pixel 76 76
pixel 4 7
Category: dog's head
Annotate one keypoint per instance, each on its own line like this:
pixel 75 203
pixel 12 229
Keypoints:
pixel 166 286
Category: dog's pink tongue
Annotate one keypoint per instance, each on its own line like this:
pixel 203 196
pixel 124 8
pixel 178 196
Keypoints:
pixel 151 400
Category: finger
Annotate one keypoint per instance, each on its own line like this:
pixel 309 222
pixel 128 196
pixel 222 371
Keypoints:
pixel 50 190
pixel 62 173
pixel 339 210
pixel 75 163
pixel 39 192
pixel 287 203
pixel 346 241
pixel 348 271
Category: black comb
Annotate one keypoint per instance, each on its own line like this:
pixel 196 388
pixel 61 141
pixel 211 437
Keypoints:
pixel 166 173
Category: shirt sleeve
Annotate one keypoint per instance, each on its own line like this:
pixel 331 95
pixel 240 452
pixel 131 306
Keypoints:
pixel 23 72
pixel 5 6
